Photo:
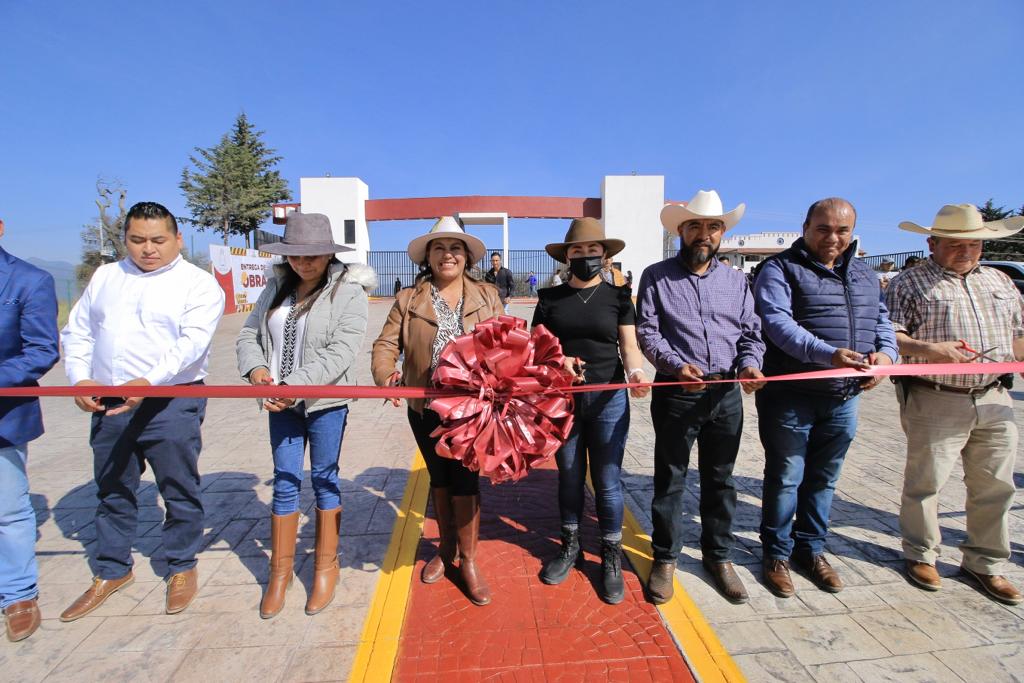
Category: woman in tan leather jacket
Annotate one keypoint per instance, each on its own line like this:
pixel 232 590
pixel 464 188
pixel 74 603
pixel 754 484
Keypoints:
pixel 445 303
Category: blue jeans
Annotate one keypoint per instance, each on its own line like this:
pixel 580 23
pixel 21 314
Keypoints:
pixel 18 570
pixel 165 433
pixel 598 434
pixel 805 439
pixel 289 432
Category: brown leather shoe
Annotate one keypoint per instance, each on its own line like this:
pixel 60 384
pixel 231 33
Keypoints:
pixel 181 590
pixel 777 578
pixel 98 592
pixel 325 560
pixel 446 548
pixel 22 619
pixel 661 583
pixel 923 575
pixel 727 581
pixel 820 572
pixel 467 522
pixel 996 586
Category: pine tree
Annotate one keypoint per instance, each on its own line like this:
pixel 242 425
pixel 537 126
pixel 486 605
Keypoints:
pixel 1006 249
pixel 233 183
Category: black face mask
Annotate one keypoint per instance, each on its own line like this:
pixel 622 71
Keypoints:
pixel 585 267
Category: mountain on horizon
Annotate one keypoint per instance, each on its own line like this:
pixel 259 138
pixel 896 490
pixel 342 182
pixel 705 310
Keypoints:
pixel 63 275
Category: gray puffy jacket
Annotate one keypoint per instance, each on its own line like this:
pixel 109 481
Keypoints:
pixel 335 326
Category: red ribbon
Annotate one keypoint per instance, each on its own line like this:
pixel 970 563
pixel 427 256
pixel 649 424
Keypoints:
pixel 512 410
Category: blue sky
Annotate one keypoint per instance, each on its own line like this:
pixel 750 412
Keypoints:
pixel 898 106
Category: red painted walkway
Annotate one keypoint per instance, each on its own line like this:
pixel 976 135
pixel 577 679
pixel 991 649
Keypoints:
pixel 531 631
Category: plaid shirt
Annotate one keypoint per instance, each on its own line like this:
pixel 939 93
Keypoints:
pixel 983 307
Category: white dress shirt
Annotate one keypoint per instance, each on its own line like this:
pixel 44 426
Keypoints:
pixel 130 324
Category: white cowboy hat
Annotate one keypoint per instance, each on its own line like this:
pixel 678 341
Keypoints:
pixel 446 226
pixel 705 204
pixel 963 222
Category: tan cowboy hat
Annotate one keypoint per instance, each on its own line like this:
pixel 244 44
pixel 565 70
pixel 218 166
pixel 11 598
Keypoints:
pixel 306 234
pixel 583 230
pixel 963 222
pixel 705 204
pixel 446 226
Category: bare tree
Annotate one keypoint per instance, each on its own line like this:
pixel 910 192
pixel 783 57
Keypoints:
pixel 112 226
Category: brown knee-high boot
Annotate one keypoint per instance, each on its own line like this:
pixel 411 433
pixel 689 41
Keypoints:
pixel 445 557
pixel 467 519
pixel 282 562
pixel 325 561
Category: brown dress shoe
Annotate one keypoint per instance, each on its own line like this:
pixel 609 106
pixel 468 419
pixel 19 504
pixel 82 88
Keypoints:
pixel 727 581
pixel 923 575
pixel 820 572
pixel 98 592
pixel 181 590
pixel 777 579
pixel 22 619
pixel 661 583
pixel 996 586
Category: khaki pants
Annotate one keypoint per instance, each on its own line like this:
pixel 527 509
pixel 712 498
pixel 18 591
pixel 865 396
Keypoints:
pixel 941 426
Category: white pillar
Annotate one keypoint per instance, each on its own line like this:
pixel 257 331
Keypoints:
pixel 631 211
pixel 340 199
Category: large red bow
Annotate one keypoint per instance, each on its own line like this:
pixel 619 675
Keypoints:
pixel 497 432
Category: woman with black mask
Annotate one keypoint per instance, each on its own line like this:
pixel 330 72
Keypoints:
pixel 595 323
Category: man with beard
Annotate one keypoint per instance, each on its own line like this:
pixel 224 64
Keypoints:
pixel 696 323
pixel 819 308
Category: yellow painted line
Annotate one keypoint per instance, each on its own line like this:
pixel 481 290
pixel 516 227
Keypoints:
pixel 707 657
pixel 378 647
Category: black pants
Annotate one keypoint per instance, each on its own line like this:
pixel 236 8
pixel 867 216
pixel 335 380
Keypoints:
pixel 444 472
pixel 714 419
pixel 163 432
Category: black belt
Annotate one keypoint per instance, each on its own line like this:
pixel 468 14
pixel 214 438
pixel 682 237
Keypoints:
pixel 970 391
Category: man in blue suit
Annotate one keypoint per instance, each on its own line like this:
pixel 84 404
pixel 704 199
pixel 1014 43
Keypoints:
pixel 28 349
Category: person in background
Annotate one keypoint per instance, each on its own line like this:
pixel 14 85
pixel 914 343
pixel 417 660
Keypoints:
pixel 595 322
pixel 629 279
pixel 445 304
pixel 696 322
pixel 820 308
pixel 28 349
pixel 556 278
pixel 306 328
pixel 886 273
pixel 943 310
pixel 147 319
pixel 611 274
pixel 911 262
pixel 501 278
pixel 532 282
pixel 398 285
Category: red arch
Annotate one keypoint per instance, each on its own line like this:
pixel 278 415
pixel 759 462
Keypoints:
pixel 515 207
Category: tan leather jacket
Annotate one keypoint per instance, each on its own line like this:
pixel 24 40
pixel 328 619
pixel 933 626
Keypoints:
pixel 412 326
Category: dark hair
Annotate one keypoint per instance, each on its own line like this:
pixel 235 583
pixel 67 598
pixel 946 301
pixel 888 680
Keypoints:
pixel 290 281
pixel 494 253
pixel 822 202
pixel 150 211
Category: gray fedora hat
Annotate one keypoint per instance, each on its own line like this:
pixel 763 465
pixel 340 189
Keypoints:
pixel 306 234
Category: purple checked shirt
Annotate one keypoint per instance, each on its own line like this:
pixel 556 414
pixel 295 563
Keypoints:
pixel 705 320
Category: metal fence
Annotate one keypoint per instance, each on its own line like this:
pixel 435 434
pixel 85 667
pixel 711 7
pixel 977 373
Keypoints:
pixel 898 258
pixel 392 266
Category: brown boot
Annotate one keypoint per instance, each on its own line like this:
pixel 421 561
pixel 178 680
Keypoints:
pixel 98 592
pixel 467 520
pixel 325 566
pixel 446 547
pixel 661 582
pixel 22 619
pixel 283 529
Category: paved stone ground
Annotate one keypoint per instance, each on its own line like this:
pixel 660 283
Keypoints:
pixel 879 628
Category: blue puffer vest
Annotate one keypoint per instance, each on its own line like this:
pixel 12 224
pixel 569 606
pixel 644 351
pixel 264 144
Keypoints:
pixel 839 306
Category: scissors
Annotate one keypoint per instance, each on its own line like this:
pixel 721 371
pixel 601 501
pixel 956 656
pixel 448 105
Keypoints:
pixel 978 354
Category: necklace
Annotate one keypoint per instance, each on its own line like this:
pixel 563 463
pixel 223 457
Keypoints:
pixel 594 291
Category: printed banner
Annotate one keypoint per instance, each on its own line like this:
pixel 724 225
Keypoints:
pixel 242 274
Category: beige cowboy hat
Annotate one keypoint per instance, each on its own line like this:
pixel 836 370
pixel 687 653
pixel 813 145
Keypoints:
pixel 705 204
pixel 306 234
pixel 583 230
pixel 446 227
pixel 964 222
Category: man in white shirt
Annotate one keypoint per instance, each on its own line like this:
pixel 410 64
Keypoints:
pixel 147 319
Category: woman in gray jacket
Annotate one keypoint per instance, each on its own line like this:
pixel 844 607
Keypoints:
pixel 306 328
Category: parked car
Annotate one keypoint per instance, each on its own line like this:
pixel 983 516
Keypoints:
pixel 1015 269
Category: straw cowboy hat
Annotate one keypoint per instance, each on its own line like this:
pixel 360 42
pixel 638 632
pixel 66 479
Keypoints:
pixel 306 234
pixel 583 230
pixel 963 222
pixel 705 204
pixel 446 226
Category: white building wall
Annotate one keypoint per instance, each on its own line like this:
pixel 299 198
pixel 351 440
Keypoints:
pixel 340 199
pixel 631 211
